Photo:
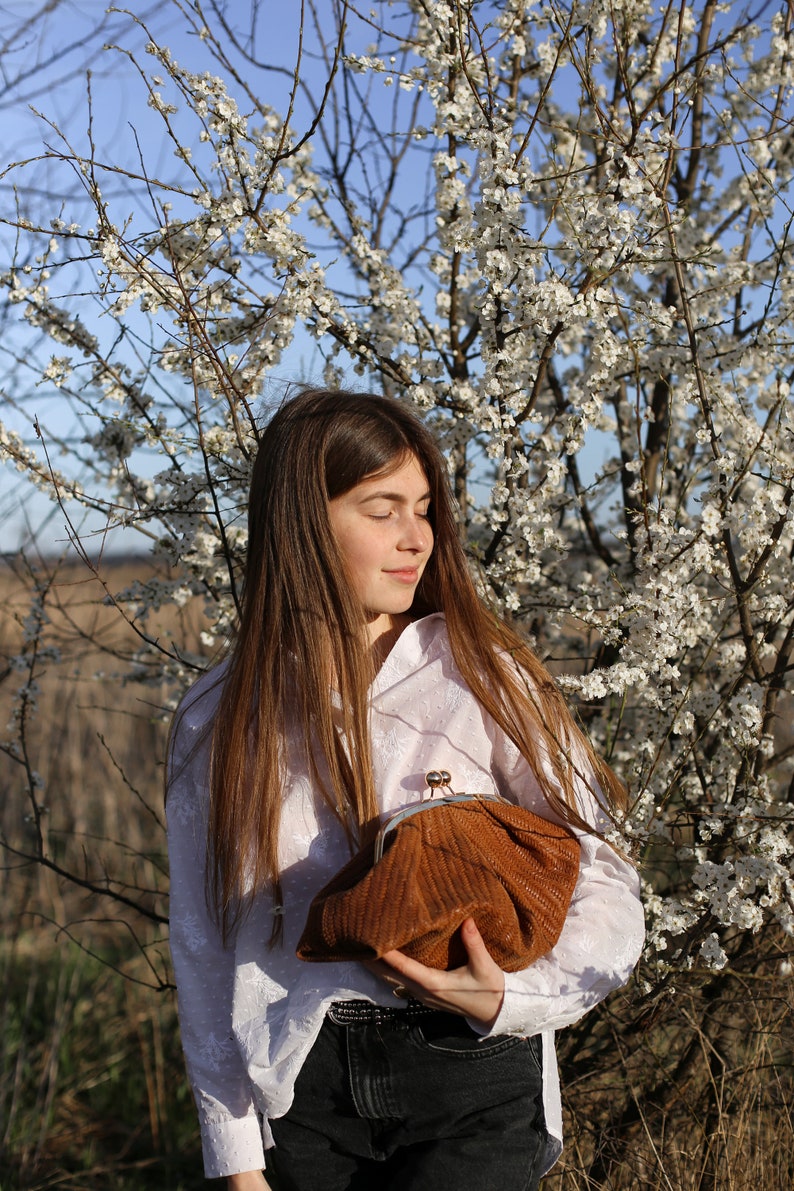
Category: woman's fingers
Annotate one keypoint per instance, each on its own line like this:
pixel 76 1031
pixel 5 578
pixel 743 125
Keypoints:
pixel 475 990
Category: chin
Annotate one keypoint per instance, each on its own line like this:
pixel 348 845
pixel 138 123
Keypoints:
pixel 398 608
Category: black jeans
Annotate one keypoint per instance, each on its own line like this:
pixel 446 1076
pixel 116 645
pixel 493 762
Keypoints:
pixel 412 1107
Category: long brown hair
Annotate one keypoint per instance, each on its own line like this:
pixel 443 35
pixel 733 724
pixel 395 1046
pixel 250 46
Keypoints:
pixel 301 634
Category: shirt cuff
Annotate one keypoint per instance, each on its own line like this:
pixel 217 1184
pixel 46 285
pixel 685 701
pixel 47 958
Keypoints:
pixel 513 1017
pixel 232 1146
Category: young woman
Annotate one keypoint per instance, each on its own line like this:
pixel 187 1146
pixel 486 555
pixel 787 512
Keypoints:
pixel 364 659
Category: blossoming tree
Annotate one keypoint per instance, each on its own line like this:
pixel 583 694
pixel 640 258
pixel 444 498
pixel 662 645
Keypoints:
pixel 561 232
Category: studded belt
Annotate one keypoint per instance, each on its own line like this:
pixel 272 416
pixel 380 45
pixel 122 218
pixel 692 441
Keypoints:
pixel 365 1013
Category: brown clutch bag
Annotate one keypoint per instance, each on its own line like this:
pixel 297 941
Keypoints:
pixel 438 862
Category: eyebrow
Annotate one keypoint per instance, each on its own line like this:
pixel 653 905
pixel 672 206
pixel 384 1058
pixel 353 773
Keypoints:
pixel 395 496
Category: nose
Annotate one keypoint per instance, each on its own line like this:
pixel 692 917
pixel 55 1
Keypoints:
pixel 417 535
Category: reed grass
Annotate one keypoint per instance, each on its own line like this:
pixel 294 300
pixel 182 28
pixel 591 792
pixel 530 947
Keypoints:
pixel 92 1085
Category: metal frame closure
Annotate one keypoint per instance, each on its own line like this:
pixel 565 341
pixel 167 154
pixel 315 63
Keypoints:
pixel 436 779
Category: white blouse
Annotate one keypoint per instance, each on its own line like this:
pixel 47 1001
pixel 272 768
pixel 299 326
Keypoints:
pixel 249 1014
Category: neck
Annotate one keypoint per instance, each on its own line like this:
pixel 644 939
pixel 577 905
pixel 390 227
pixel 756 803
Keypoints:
pixel 383 633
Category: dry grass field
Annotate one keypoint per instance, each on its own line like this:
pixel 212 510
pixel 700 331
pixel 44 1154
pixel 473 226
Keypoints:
pixel 689 1092
pixel 92 1091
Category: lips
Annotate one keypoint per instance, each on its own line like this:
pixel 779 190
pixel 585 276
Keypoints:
pixel 405 575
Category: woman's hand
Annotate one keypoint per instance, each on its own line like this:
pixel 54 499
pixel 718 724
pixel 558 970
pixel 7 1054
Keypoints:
pixel 249 1180
pixel 476 990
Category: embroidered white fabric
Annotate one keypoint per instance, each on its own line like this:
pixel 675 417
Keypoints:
pixel 249 1014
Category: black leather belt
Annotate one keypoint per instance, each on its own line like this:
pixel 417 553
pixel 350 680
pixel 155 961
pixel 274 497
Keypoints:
pixel 365 1013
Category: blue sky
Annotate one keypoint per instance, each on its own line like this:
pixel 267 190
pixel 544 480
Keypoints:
pixel 46 59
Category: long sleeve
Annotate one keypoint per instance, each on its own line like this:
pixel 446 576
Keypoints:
pixel 604 929
pixel 230 1126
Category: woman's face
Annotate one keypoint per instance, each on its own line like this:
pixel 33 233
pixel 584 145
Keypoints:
pixel 384 537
